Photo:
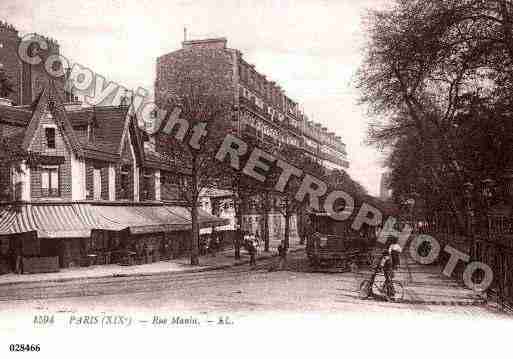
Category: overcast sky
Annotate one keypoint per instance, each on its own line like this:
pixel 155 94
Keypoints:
pixel 312 48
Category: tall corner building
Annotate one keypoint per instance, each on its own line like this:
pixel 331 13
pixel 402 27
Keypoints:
pixel 28 80
pixel 264 110
pixel 385 191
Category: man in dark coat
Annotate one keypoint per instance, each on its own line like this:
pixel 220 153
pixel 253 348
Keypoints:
pixel 282 253
pixel 252 253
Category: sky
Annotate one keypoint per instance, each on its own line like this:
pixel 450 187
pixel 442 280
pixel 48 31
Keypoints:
pixel 312 48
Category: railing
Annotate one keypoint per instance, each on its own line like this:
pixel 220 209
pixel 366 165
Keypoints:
pixel 487 240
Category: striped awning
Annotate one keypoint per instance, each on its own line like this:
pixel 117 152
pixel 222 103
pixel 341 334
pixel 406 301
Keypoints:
pixel 142 219
pixel 153 219
pixel 205 219
pixel 76 220
pixel 50 220
pixel 16 219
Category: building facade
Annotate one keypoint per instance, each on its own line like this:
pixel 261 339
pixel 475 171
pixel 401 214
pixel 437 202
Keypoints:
pixel 94 190
pixel 263 109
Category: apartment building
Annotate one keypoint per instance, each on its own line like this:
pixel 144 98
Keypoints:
pixel 263 109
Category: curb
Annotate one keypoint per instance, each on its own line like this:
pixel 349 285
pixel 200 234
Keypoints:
pixel 136 275
pixel 447 303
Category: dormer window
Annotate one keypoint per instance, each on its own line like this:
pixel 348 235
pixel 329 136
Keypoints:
pixel 50 137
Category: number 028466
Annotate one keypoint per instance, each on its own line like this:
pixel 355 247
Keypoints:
pixel 24 348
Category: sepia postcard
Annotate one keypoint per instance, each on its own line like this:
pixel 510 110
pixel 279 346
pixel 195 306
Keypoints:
pixel 239 178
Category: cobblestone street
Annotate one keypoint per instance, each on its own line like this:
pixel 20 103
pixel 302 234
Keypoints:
pixel 241 290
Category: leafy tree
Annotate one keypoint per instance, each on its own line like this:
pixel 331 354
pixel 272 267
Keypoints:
pixel 437 80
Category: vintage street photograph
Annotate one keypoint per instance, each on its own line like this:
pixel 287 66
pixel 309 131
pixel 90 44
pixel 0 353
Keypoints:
pixel 288 177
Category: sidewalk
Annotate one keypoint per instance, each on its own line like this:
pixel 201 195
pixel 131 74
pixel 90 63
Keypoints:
pixel 426 285
pixel 224 259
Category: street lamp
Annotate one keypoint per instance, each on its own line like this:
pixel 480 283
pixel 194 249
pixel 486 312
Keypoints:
pixel 487 197
pixel 468 189
pixel 411 205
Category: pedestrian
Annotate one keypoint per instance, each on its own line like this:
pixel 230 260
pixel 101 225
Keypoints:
pixel 257 239
pixel 282 254
pixel 212 246
pixel 252 253
pixel 146 253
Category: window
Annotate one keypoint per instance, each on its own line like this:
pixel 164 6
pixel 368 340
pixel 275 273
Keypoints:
pixel 50 181
pixel 97 184
pixel 50 137
pixel 125 182
pixel 148 185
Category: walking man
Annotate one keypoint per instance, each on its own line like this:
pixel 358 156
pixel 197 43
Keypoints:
pixel 252 253
pixel 282 254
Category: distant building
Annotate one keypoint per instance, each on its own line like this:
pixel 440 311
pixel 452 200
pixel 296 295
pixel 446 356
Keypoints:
pixel 28 80
pixel 385 192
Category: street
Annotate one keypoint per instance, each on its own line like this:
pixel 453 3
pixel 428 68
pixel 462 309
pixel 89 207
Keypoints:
pixel 241 290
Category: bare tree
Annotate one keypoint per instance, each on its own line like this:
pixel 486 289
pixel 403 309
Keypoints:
pixel 196 121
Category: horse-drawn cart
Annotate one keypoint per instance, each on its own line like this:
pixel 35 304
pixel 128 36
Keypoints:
pixel 334 245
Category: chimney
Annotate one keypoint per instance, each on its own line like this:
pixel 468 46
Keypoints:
pixel 217 43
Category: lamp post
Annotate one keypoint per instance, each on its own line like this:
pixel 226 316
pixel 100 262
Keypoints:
pixel 411 206
pixel 487 197
pixel 468 189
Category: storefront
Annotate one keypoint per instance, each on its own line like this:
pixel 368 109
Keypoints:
pixel 81 234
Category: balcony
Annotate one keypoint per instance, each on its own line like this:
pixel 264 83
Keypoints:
pixel 253 107
pixel 272 119
pixel 335 159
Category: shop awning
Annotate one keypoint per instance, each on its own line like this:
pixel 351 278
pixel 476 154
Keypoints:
pixel 76 220
pixel 50 220
pixel 16 219
pixel 205 219
pixel 142 219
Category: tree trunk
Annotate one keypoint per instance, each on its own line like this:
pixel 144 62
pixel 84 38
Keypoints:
pixel 237 240
pixel 266 230
pixel 194 215
pixel 195 237
pixel 301 225
pixel 287 230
